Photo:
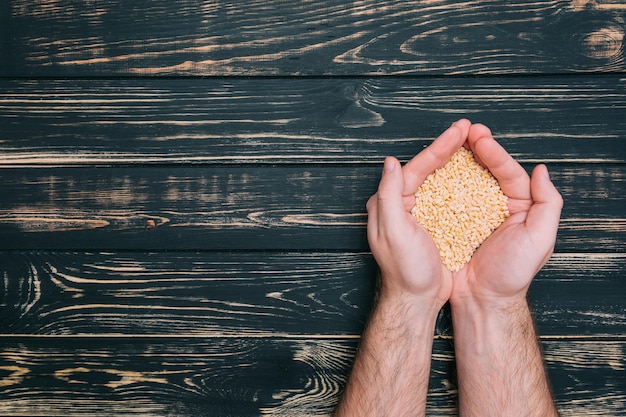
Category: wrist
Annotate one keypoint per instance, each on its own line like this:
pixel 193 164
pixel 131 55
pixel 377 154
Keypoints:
pixel 472 295
pixel 485 304
pixel 486 322
pixel 425 292
pixel 415 309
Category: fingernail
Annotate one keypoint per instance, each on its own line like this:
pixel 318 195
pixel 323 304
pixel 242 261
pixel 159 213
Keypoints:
pixel 389 165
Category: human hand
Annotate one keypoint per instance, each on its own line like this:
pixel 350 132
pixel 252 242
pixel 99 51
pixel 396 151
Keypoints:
pixel 406 254
pixel 502 268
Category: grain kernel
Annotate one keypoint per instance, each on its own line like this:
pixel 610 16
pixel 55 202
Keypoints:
pixel 460 205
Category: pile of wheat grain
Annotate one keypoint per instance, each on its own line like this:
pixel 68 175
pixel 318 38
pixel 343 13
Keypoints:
pixel 460 204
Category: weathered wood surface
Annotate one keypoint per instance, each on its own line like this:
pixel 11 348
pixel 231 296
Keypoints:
pixel 251 207
pixel 253 294
pixel 178 245
pixel 253 376
pixel 346 120
pixel 279 37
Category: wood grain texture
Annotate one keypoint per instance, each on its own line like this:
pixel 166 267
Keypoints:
pixel 222 121
pixel 175 245
pixel 279 37
pixel 256 207
pixel 251 294
pixel 257 376
pixel 200 294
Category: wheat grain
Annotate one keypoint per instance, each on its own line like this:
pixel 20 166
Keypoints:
pixel 460 204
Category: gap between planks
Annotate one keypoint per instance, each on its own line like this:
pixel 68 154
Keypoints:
pixel 276 336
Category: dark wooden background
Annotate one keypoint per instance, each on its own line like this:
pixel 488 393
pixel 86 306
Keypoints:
pixel 182 191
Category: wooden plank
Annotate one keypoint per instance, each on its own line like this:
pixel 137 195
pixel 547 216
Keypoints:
pixel 258 376
pixel 345 120
pixel 250 207
pixel 261 293
pixel 185 293
pixel 278 37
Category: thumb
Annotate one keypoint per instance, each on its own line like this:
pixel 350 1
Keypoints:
pixel 391 212
pixel 543 216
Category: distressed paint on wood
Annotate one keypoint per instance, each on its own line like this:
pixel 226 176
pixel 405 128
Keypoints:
pixel 279 37
pixel 257 207
pixel 254 376
pixel 99 150
pixel 259 293
pixel 225 121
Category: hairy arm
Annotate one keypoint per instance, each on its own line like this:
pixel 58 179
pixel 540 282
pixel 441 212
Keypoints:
pixel 392 367
pixel 499 362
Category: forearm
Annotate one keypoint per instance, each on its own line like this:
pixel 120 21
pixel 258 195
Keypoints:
pixel 392 367
pixel 499 363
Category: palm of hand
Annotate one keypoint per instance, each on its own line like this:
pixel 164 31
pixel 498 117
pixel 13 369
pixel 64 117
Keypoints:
pixel 425 258
pixel 503 266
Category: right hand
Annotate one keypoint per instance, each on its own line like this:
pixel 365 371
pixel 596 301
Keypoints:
pixel 502 268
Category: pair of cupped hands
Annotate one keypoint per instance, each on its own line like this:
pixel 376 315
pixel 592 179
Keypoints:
pixel 502 268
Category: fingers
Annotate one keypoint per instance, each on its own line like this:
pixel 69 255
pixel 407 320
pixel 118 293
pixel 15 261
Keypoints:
pixel 390 211
pixel 511 176
pixel 435 155
pixel 386 208
pixel 543 217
